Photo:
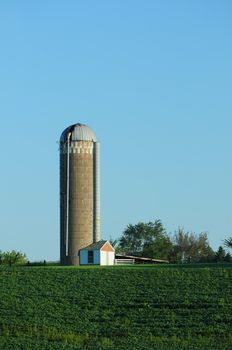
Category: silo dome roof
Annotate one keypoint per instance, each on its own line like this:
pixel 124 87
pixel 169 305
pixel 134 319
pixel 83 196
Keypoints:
pixel 79 132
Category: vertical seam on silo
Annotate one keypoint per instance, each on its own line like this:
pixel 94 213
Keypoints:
pixel 67 203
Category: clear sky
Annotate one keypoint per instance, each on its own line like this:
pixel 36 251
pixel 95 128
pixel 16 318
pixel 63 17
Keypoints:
pixel 152 78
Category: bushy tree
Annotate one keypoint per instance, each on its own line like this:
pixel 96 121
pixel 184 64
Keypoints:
pixel 12 257
pixel 189 247
pixel 146 240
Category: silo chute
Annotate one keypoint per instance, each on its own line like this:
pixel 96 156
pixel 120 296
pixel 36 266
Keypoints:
pixel 67 203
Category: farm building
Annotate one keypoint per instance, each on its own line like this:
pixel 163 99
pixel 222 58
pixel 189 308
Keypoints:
pixel 80 203
pixel 121 259
pixel 99 253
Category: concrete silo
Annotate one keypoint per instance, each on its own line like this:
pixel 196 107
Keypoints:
pixel 79 191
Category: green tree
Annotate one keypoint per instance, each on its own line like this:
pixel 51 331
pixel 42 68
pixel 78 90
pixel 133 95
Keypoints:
pixel 220 255
pixel 204 253
pixel 189 247
pixel 228 257
pixel 13 257
pixel 145 239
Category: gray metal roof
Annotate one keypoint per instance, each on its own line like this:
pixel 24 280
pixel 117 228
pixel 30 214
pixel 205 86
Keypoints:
pixel 95 246
pixel 79 132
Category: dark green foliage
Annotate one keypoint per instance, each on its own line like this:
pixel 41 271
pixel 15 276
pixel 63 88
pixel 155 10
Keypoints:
pixel 228 258
pixel 145 239
pixel 148 308
pixel 222 256
pixel 150 240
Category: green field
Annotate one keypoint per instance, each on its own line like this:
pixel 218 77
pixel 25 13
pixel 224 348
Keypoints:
pixel 137 307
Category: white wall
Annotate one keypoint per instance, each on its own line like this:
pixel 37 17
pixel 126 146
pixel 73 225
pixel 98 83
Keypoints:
pixel 84 257
pixel 107 258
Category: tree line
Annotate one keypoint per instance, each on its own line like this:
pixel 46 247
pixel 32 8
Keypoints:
pixel 151 240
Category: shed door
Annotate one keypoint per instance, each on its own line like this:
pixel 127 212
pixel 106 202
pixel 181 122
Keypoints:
pixel 90 256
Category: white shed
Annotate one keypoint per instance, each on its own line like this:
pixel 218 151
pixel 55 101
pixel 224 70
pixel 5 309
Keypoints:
pixel 99 253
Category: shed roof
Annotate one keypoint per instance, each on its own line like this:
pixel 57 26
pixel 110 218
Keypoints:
pixel 141 259
pixel 95 246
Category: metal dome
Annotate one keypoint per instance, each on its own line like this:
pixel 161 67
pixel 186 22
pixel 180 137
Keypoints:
pixel 80 132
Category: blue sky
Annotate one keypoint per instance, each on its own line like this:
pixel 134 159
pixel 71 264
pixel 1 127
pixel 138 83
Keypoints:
pixel 154 81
